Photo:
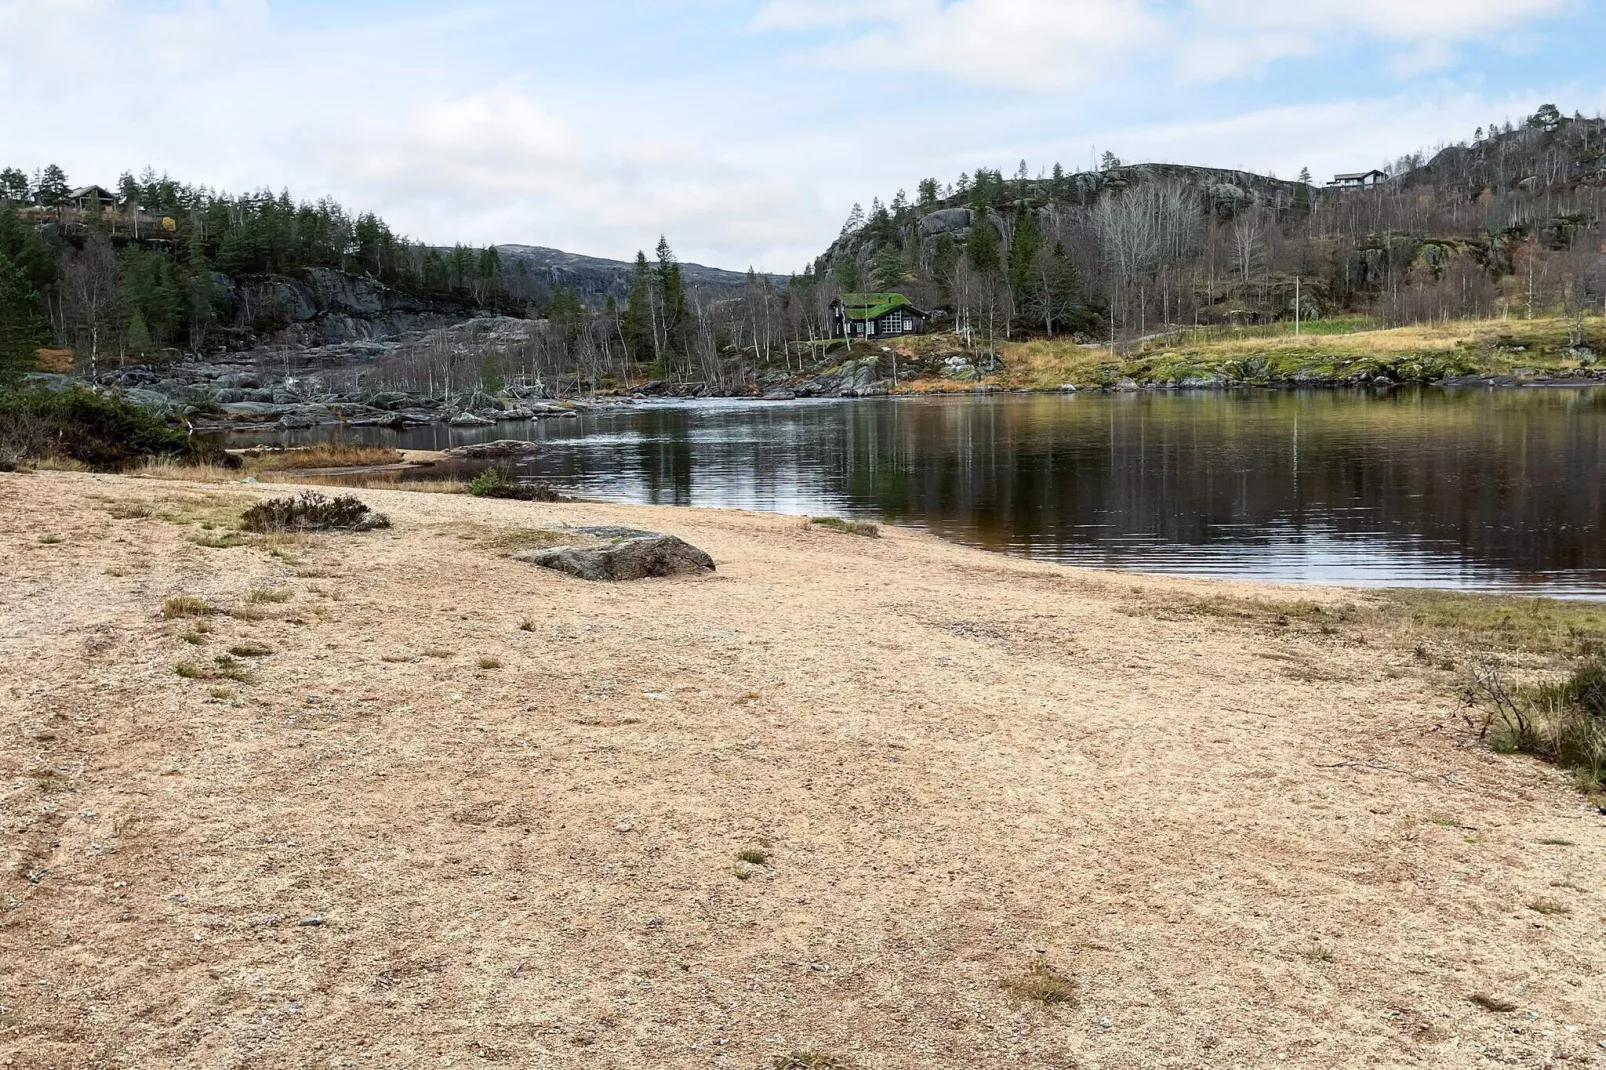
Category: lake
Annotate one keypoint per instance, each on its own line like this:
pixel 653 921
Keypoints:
pixel 1492 490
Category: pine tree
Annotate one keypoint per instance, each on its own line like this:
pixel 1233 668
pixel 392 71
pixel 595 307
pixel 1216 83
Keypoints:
pixel 637 325
pixel 13 185
pixel 888 270
pixel 1304 176
pixel 20 326
pixel 52 188
pixel 1023 254
pixel 671 300
pixel 982 250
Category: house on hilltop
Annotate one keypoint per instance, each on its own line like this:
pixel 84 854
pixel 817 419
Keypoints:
pixel 878 315
pixel 91 197
pixel 1358 180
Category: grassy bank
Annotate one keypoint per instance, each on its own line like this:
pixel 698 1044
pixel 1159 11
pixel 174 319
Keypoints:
pixel 1324 350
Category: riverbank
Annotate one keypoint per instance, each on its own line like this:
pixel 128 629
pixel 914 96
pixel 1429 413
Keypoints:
pixel 437 805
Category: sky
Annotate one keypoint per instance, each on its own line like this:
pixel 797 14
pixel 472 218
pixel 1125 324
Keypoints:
pixel 745 130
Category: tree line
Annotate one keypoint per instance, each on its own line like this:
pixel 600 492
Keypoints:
pixel 152 273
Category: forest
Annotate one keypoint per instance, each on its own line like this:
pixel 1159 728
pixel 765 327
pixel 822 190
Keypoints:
pixel 150 276
pixel 1508 223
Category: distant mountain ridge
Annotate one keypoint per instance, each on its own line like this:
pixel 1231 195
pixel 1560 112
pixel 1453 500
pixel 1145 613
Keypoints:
pixel 592 276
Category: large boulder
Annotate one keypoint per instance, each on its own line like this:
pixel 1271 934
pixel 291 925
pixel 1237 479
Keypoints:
pixel 629 555
pixel 945 221
pixel 485 451
pixel 469 419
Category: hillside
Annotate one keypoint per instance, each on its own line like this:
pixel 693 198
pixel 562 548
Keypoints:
pixel 1510 220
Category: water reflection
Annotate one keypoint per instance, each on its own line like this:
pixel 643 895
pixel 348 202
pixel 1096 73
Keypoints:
pixel 1494 490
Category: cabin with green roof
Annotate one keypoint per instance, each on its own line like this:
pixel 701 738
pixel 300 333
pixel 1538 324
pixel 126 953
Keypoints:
pixel 880 315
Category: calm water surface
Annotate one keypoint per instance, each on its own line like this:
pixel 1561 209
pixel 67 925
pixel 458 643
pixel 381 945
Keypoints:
pixel 1494 490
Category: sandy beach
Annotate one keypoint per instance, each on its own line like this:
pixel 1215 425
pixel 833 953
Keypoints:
pixel 457 810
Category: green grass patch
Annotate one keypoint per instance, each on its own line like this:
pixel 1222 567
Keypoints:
pixel 753 857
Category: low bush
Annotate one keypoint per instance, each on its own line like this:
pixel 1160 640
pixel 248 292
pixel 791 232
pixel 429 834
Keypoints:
pixel 100 431
pixel 311 511
pixel 1564 722
pixel 501 483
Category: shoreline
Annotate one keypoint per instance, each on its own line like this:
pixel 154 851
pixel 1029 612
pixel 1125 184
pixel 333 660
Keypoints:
pixel 443 803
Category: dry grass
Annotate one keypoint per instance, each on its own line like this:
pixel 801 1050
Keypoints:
pixel 380 481
pixel 1331 348
pixel 323 455
pixel 489 662
pixel 847 527
pixel 186 605
pixel 807 1060
pixel 259 597
pixel 1042 983
pixel 170 469
pixel 1549 907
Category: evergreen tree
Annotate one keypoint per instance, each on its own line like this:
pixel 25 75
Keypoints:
pixel 52 188
pixel 928 193
pixel 982 250
pixel 637 326
pixel 1304 176
pixel 1056 183
pixel 888 271
pixel 671 300
pixel 1023 255
pixel 13 185
pixel 21 329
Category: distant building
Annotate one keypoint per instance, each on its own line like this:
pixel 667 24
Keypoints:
pixel 875 316
pixel 91 197
pixel 1358 180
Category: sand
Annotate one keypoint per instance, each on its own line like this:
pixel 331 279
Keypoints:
pixel 1249 848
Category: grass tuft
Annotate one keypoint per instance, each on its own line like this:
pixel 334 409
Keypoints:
pixel 846 527
pixel 807 1060
pixel 278 597
pixel 186 605
pixel 1549 907
pixel 250 650
pixel 488 662
pixel 1317 952
pixel 753 857
pixel 1042 983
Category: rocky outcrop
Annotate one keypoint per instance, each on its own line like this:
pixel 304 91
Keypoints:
pixel 624 554
pixel 323 307
pixel 490 451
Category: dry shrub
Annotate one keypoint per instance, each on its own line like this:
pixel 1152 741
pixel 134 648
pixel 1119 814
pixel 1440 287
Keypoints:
pixel 311 511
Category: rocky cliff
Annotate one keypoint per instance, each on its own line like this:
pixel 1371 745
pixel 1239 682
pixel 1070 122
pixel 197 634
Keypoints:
pixel 324 307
